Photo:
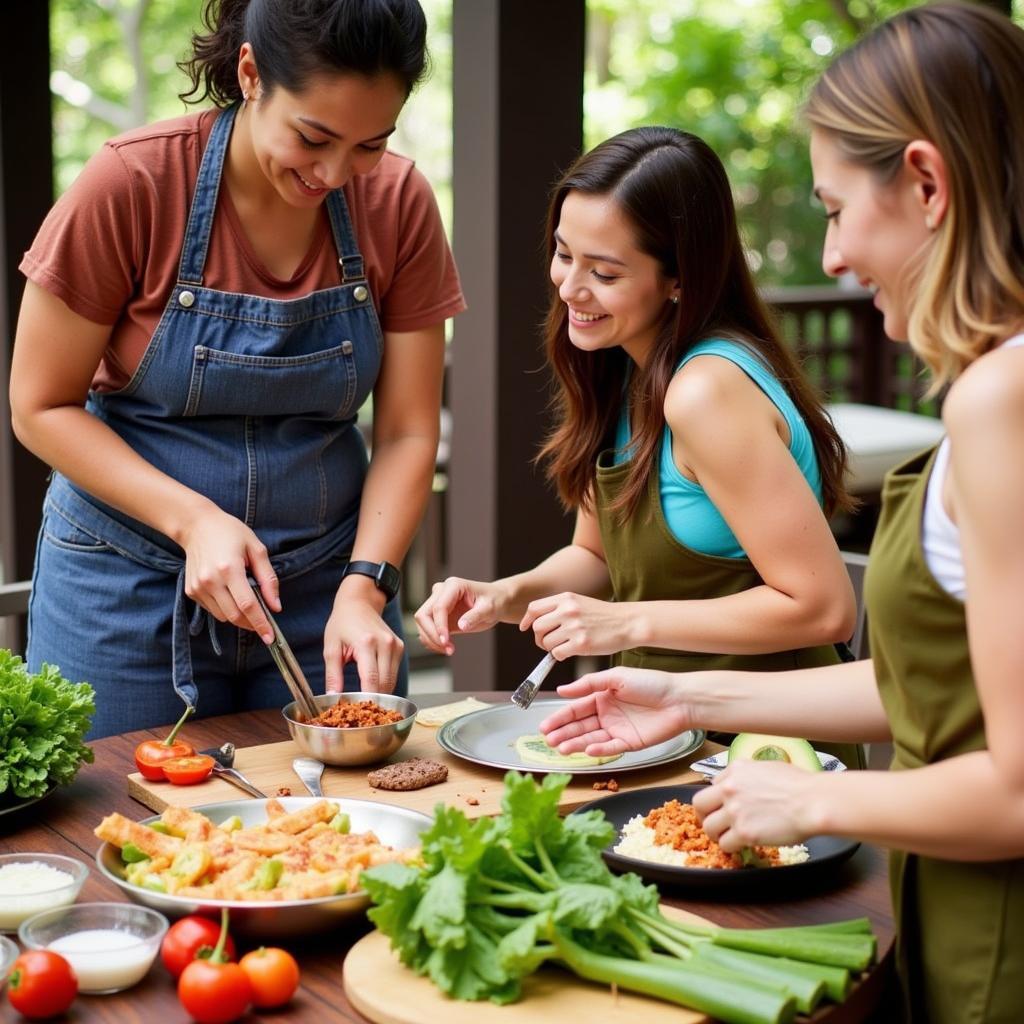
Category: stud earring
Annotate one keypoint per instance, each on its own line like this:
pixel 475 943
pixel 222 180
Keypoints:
pixel 674 300
pixel 929 223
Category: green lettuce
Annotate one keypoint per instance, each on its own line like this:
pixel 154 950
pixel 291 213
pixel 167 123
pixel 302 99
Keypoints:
pixel 43 718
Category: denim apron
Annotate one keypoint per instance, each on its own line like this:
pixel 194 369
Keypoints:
pixel 960 924
pixel 251 402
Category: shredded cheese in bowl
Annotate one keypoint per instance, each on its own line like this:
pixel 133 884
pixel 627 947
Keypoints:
pixel 671 834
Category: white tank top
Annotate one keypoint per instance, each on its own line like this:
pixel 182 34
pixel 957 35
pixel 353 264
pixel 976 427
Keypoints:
pixel 940 536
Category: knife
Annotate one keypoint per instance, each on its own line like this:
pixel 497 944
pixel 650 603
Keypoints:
pixel 527 689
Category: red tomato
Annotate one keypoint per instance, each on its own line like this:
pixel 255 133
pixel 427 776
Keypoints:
pixel 151 754
pixel 186 937
pixel 186 771
pixel 41 984
pixel 273 975
pixel 214 993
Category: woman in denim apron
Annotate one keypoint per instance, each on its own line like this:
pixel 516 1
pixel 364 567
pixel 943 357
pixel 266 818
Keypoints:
pixel 918 152
pixel 233 450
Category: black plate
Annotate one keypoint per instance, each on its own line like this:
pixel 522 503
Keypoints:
pixel 826 852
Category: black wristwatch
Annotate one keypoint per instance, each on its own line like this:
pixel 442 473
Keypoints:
pixel 384 574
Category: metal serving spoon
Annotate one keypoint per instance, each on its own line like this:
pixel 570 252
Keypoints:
pixel 223 759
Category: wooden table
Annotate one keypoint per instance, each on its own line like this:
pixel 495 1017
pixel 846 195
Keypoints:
pixel 63 823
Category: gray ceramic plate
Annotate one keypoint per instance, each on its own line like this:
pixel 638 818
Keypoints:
pixel 488 737
pixel 394 826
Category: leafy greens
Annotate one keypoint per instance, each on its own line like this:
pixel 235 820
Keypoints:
pixel 43 718
pixel 496 898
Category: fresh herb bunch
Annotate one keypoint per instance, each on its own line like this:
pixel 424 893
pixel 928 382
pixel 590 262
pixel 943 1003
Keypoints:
pixel 496 898
pixel 43 718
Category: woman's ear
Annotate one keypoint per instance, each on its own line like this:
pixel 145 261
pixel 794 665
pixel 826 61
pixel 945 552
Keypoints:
pixel 248 75
pixel 926 168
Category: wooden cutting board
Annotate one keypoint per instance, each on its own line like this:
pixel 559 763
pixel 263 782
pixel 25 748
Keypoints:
pixel 475 789
pixel 381 988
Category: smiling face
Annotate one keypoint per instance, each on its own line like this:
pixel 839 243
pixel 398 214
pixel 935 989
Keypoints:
pixel 875 231
pixel 616 294
pixel 310 142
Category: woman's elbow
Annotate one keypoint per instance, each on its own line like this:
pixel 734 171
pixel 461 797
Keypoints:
pixel 836 617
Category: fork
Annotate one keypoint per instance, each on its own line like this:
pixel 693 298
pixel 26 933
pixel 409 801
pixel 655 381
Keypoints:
pixel 527 689
pixel 309 770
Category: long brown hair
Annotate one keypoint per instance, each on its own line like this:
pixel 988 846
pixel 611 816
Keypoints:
pixel 675 193
pixel 952 74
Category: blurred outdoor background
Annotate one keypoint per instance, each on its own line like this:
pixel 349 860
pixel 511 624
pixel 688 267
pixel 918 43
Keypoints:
pixel 733 72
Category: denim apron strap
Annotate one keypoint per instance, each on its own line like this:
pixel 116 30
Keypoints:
pixel 204 200
pixel 351 258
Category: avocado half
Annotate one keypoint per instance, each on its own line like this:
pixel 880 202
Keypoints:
pixel 754 746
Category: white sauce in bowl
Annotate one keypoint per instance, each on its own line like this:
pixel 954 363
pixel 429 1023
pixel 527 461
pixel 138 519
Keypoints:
pixel 105 959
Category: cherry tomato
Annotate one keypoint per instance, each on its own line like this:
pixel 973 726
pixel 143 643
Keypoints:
pixel 151 754
pixel 41 984
pixel 273 975
pixel 214 993
pixel 186 937
pixel 187 771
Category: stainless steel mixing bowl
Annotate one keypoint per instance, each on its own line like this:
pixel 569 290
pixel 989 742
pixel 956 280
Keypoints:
pixel 352 747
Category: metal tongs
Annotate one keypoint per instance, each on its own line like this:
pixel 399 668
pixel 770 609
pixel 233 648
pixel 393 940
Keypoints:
pixel 288 665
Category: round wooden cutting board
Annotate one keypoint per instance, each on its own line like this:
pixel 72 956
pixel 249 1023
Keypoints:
pixel 381 988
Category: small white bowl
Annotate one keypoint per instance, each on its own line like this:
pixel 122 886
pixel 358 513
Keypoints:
pixel 8 954
pixel 17 907
pixel 120 950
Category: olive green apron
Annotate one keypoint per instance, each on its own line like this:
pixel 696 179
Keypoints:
pixel 960 926
pixel 647 563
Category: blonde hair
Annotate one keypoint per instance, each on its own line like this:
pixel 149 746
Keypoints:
pixel 953 75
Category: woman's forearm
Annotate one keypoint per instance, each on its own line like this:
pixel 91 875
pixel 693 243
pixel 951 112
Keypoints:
pixel 959 809
pixel 836 702
pixel 755 621
pixel 395 495
pixel 573 568
pixel 95 458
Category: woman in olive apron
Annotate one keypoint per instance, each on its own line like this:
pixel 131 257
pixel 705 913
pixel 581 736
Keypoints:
pixel 232 450
pixel 696 457
pixel 918 153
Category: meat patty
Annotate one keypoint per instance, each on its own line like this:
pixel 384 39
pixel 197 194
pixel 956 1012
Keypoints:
pixel 416 773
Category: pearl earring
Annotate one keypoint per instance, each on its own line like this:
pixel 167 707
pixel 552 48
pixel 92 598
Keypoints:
pixel 675 300
pixel 929 223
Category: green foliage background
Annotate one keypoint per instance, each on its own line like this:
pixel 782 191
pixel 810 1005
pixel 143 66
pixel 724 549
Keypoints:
pixel 734 72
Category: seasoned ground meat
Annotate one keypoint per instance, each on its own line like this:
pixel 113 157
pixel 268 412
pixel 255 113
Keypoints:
pixel 356 715
pixel 676 825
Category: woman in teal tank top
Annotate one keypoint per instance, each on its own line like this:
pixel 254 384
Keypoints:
pixel 701 537
pixel 917 146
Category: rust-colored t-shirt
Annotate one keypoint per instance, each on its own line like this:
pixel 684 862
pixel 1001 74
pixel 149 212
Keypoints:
pixel 110 246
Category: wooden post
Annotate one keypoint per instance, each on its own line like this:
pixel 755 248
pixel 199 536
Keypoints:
pixel 518 117
pixel 26 193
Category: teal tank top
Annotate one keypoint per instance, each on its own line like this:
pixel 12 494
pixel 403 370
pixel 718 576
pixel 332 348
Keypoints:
pixel 691 516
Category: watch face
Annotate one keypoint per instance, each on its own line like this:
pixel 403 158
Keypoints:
pixel 389 578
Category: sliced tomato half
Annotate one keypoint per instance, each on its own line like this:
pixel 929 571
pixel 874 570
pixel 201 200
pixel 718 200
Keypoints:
pixel 186 771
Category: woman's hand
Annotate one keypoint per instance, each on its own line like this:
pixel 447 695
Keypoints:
pixel 458 606
pixel 572 625
pixel 620 709
pixel 356 632
pixel 220 553
pixel 759 803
